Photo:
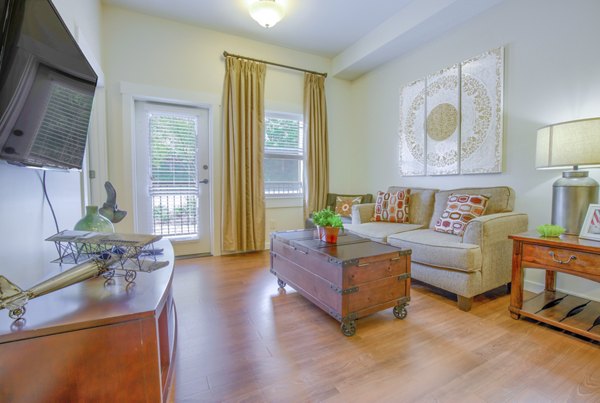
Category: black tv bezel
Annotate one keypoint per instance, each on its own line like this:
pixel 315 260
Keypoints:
pixel 90 77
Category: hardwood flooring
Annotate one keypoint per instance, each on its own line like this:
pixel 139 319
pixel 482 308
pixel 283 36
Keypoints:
pixel 243 339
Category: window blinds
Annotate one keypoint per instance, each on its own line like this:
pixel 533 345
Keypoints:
pixel 174 178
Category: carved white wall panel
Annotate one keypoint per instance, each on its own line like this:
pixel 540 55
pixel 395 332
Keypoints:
pixel 442 122
pixel 481 109
pixel 412 129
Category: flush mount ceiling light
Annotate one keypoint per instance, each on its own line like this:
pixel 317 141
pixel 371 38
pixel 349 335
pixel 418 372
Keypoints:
pixel 266 12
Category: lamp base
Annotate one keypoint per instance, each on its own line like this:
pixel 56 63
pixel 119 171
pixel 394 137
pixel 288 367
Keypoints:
pixel 571 196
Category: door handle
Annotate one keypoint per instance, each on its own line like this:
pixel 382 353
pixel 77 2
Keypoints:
pixel 203 181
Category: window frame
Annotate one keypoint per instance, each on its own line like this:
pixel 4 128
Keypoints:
pixel 272 198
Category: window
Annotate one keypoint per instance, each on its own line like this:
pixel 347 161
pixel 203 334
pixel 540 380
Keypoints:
pixel 284 155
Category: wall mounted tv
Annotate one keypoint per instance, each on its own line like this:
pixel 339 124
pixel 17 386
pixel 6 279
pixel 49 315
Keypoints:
pixel 46 88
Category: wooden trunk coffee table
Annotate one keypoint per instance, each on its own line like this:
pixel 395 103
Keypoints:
pixel 350 279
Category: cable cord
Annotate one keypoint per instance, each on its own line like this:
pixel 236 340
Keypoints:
pixel 49 202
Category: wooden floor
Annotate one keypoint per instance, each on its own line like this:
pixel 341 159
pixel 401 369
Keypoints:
pixel 243 339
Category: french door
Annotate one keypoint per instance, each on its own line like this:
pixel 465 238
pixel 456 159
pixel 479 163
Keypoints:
pixel 172 175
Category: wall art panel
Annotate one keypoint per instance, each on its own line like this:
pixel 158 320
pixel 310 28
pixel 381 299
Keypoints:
pixel 481 109
pixel 412 129
pixel 442 122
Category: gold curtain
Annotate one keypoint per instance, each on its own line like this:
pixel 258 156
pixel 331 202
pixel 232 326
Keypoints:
pixel 243 128
pixel 315 129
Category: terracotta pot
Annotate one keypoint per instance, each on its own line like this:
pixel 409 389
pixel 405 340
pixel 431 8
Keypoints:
pixel 330 234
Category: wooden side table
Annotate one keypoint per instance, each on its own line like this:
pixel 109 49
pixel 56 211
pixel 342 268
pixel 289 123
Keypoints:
pixel 567 254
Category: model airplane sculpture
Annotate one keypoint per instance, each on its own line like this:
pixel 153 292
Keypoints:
pixel 94 254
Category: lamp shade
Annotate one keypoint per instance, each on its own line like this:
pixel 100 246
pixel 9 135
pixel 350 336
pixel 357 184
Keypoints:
pixel 566 145
pixel 569 144
pixel 266 12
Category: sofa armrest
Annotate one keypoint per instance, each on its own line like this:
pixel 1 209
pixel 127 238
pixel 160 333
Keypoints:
pixel 362 213
pixel 488 229
pixel 491 233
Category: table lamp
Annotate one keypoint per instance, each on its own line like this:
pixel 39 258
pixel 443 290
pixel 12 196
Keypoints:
pixel 564 145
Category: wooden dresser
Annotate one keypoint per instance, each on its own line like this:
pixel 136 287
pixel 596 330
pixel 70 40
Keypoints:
pixel 568 254
pixel 93 341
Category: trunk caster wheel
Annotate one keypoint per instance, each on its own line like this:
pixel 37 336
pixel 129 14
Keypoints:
pixel 281 283
pixel 349 328
pixel 400 311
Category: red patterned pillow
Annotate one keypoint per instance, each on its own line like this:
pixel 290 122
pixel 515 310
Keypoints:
pixel 343 205
pixel 392 207
pixel 460 209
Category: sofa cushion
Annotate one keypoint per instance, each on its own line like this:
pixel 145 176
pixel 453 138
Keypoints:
pixel 439 249
pixel 379 231
pixel 502 200
pixel 421 204
pixel 331 197
pixel 392 207
pixel 343 205
pixel 460 210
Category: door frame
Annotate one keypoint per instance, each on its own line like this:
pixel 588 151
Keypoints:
pixel 184 246
pixel 130 93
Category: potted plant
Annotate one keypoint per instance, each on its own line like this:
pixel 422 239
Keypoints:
pixel 328 225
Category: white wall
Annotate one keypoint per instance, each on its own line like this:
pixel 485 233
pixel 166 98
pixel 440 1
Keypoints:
pixel 551 75
pixel 26 219
pixel 170 57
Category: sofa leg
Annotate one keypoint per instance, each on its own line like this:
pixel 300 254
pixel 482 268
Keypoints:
pixel 464 303
pixel 508 288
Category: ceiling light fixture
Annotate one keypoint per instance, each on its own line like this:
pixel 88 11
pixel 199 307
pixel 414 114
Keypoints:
pixel 266 12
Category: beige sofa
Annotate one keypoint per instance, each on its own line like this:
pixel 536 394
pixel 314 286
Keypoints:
pixel 467 265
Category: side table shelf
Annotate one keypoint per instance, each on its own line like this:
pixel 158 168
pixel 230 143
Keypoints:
pixel 570 255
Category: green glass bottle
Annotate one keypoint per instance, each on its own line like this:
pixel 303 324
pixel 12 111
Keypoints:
pixel 93 221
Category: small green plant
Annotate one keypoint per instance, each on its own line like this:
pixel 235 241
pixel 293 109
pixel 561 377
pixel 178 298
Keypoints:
pixel 327 218
pixel 336 221
pixel 549 230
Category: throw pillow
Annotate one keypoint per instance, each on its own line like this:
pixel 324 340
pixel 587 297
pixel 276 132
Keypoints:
pixel 460 210
pixel 343 205
pixel 392 207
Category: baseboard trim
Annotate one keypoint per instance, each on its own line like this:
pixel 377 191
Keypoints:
pixel 193 256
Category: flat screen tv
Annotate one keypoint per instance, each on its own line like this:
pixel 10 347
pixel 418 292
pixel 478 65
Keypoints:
pixel 46 88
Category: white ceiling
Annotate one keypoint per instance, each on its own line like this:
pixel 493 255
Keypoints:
pixel 357 35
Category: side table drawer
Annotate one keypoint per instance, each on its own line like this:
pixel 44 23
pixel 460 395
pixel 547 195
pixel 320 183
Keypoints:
pixel 562 259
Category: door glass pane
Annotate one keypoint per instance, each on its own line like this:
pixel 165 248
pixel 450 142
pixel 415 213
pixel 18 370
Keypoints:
pixel 174 180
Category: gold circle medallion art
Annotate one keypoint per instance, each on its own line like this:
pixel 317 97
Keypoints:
pixel 442 121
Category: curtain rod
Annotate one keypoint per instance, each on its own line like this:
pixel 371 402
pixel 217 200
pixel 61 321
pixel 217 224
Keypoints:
pixel 227 54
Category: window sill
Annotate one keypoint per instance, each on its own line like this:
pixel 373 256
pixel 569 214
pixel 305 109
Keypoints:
pixel 284 202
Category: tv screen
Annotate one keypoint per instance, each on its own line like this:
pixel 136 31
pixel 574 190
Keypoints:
pixel 46 88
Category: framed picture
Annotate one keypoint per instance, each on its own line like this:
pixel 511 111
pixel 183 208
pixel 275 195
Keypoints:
pixel 591 225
